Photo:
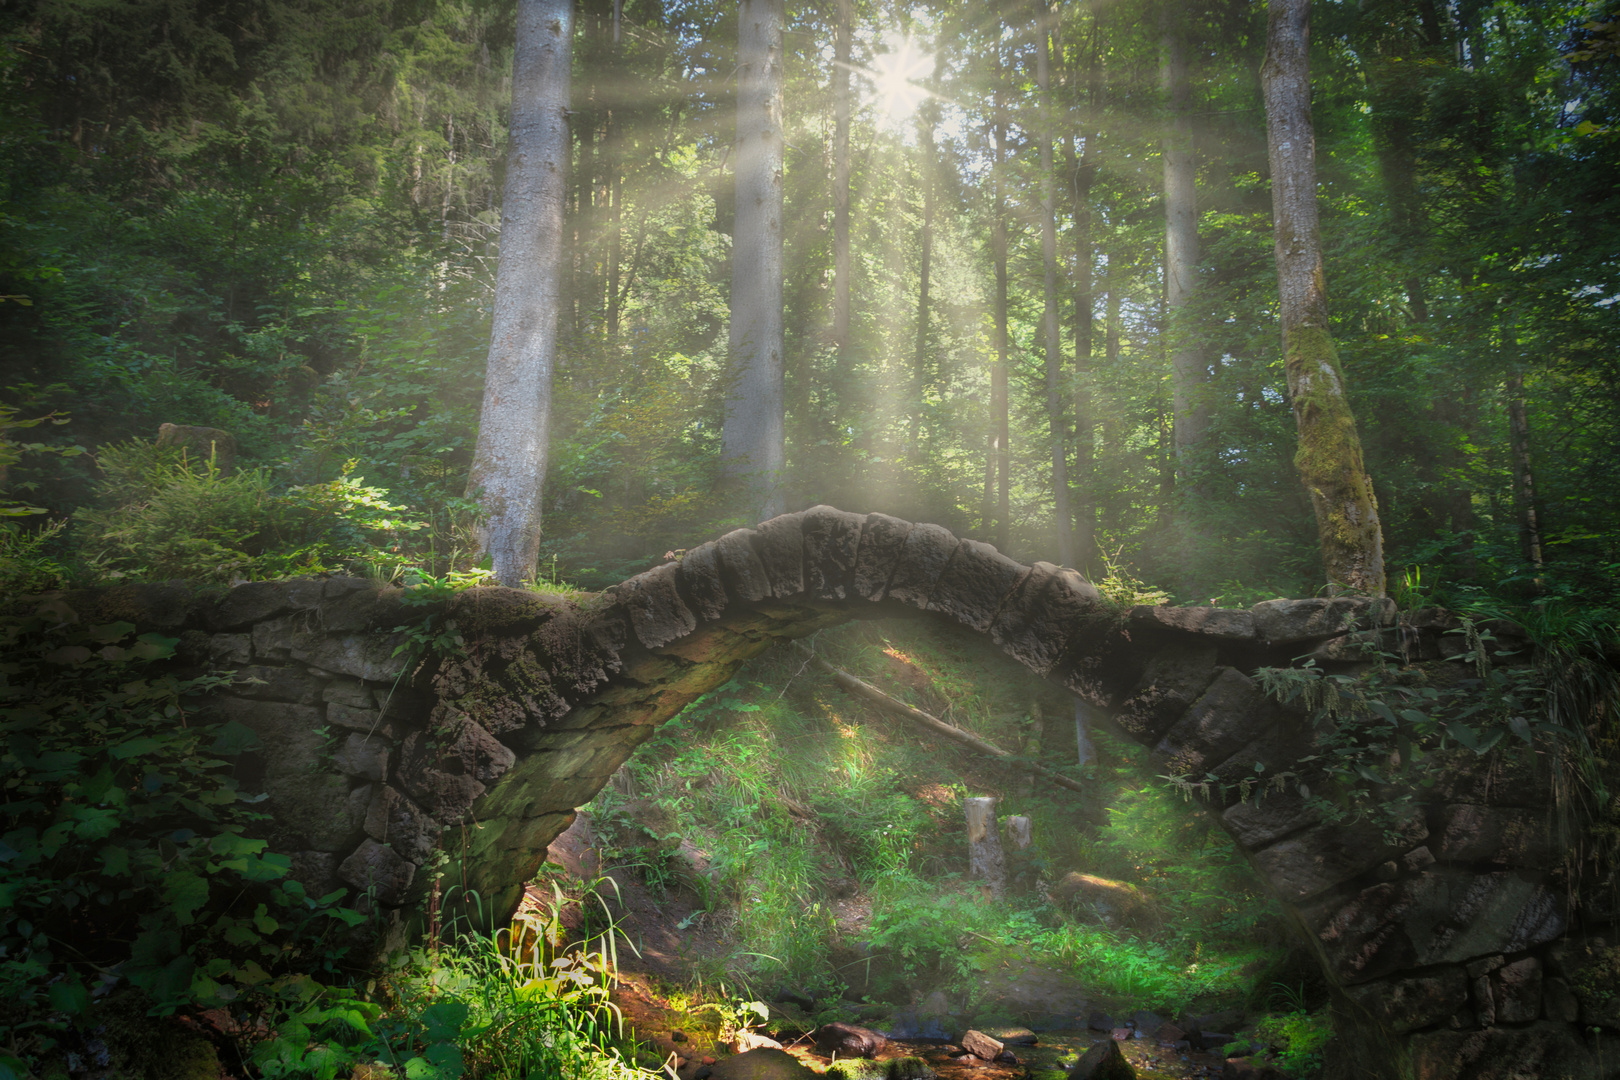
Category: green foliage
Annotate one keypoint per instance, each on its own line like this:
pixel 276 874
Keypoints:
pixel 1299 1039
pixel 167 516
pixel 1384 731
pixel 123 845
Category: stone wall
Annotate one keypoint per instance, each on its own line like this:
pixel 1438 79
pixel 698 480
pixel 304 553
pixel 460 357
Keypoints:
pixel 1451 952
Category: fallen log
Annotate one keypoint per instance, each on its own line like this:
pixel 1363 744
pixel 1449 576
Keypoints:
pixel 860 688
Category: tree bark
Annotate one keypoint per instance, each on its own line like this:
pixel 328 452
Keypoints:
pixel 752 439
pixel 1049 320
pixel 1086 161
pixel 509 462
pixel 1524 484
pixel 1329 456
pixel 919 364
pixel 1001 448
pixel 842 34
pixel 1189 369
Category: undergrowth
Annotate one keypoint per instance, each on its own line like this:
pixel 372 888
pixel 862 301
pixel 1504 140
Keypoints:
pixel 835 849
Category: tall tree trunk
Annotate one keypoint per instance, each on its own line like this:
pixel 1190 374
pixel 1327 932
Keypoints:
pixel 752 440
pixel 919 364
pixel 615 194
pixel 1189 369
pixel 1085 171
pixel 1329 457
pixel 1049 319
pixel 509 462
pixel 1524 484
pixel 998 374
pixel 843 32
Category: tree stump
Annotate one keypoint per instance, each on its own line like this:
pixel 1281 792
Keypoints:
pixel 985 859
pixel 1019 831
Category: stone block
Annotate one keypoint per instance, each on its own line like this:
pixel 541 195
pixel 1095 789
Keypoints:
pixel 974 583
pixel 277 683
pixel 1358 647
pixel 1225 624
pixel 581 650
pixel 1504 836
pixel 1263 821
pixel 740 567
pixel 230 650
pixel 343 584
pixel 1542 1051
pixel 1230 714
pixel 1051 607
pixel 316 871
pixel 273 638
pixel 1517 989
pixel 1558 1001
pixel 256 601
pixel 1176 677
pixel 437 779
pixel 780 543
pixel 393 819
pixel 701 581
pixel 1283 622
pixel 1309 863
pixel 923 555
pixel 832 540
pixel 653 602
pixel 1591 969
pixel 1500 778
pixel 1413 1002
pixel 367 720
pixel 362 656
pixel 366 610
pixel 363 756
pixel 882 540
pixel 348 692
pixel 1440 916
pixel 378 870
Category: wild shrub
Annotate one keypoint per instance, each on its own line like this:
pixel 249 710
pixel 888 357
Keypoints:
pixel 165 514
pixel 123 845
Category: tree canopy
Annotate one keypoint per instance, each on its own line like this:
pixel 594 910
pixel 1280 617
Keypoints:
pixel 283 222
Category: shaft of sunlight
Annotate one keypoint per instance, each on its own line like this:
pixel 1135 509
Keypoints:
pixel 894 76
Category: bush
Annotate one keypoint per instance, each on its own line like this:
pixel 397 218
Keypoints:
pixel 167 515
pixel 122 846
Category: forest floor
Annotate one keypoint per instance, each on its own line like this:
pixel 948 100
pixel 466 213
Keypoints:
pixel 672 946
pixel 785 845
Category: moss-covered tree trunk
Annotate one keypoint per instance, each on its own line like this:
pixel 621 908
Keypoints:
pixel 1329 456
pixel 509 464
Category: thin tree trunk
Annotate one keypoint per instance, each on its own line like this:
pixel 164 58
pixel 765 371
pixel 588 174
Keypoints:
pixel 1329 457
pixel 842 34
pixel 615 195
pixel 1085 171
pixel 752 439
pixel 1524 485
pixel 998 374
pixel 509 462
pixel 1049 320
pixel 1189 369
pixel 919 363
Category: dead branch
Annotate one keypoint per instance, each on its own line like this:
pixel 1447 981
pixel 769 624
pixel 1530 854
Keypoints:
pixel 932 723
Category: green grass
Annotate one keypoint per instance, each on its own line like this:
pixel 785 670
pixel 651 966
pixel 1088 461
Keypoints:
pixel 793 788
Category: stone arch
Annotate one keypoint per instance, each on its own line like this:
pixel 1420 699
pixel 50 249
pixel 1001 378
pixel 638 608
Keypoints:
pixel 1447 949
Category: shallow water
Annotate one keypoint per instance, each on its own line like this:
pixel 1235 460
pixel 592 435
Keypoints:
pixel 1150 1060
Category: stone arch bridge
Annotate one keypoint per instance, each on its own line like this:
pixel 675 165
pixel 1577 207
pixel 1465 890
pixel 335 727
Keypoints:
pixel 1454 953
